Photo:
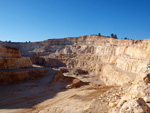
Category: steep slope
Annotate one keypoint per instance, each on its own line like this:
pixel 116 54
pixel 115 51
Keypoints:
pixel 17 69
pixel 125 58
pixel 91 59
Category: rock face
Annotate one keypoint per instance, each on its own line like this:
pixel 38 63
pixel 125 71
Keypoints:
pixel 121 64
pixel 133 106
pixel 16 69
pixel 58 76
pixel 10 58
pixel 146 79
pixel 103 57
pixel 19 76
pixel 74 81
pixel 9 52
pixel 15 63
pixel 47 62
pixel 135 100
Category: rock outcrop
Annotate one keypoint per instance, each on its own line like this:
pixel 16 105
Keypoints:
pixel 125 58
pixel 47 62
pixel 15 63
pixel 9 52
pixel 58 76
pixel 17 69
pixel 19 76
pixel 119 63
pixel 132 106
pixel 74 82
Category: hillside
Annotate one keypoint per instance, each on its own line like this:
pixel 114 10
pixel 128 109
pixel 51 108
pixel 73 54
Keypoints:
pixel 116 65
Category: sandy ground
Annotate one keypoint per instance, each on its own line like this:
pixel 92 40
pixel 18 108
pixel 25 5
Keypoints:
pixel 39 96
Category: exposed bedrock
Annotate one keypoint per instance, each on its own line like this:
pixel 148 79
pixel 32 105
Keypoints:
pixel 113 70
pixel 9 52
pixel 74 82
pixel 15 63
pixel 103 57
pixel 19 76
pixel 47 62
pixel 92 59
pixel 17 69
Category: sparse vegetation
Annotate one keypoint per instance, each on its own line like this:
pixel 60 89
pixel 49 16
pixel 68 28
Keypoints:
pixel 27 42
pixel 113 35
pixel 99 34
pixel 125 38
pixel 9 41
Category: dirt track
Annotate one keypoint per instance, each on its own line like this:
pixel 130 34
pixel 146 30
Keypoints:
pixel 43 97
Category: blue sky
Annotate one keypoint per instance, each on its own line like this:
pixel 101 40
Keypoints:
pixel 37 20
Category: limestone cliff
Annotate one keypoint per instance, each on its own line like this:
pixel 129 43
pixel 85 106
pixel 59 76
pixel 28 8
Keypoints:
pixel 17 69
pixel 19 76
pixel 15 63
pixel 94 59
pixel 9 52
pixel 102 57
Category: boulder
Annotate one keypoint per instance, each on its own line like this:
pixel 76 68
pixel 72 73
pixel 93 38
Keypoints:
pixel 75 83
pixel 80 72
pixel 57 77
pixel 135 106
pixel 146 79
pixel 138 90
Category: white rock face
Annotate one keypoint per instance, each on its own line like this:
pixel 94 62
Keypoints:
pixel 135 99
pixel 135 106
pixel 124 59
pixel 111 76
pixel 113 61
pixel 139 90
